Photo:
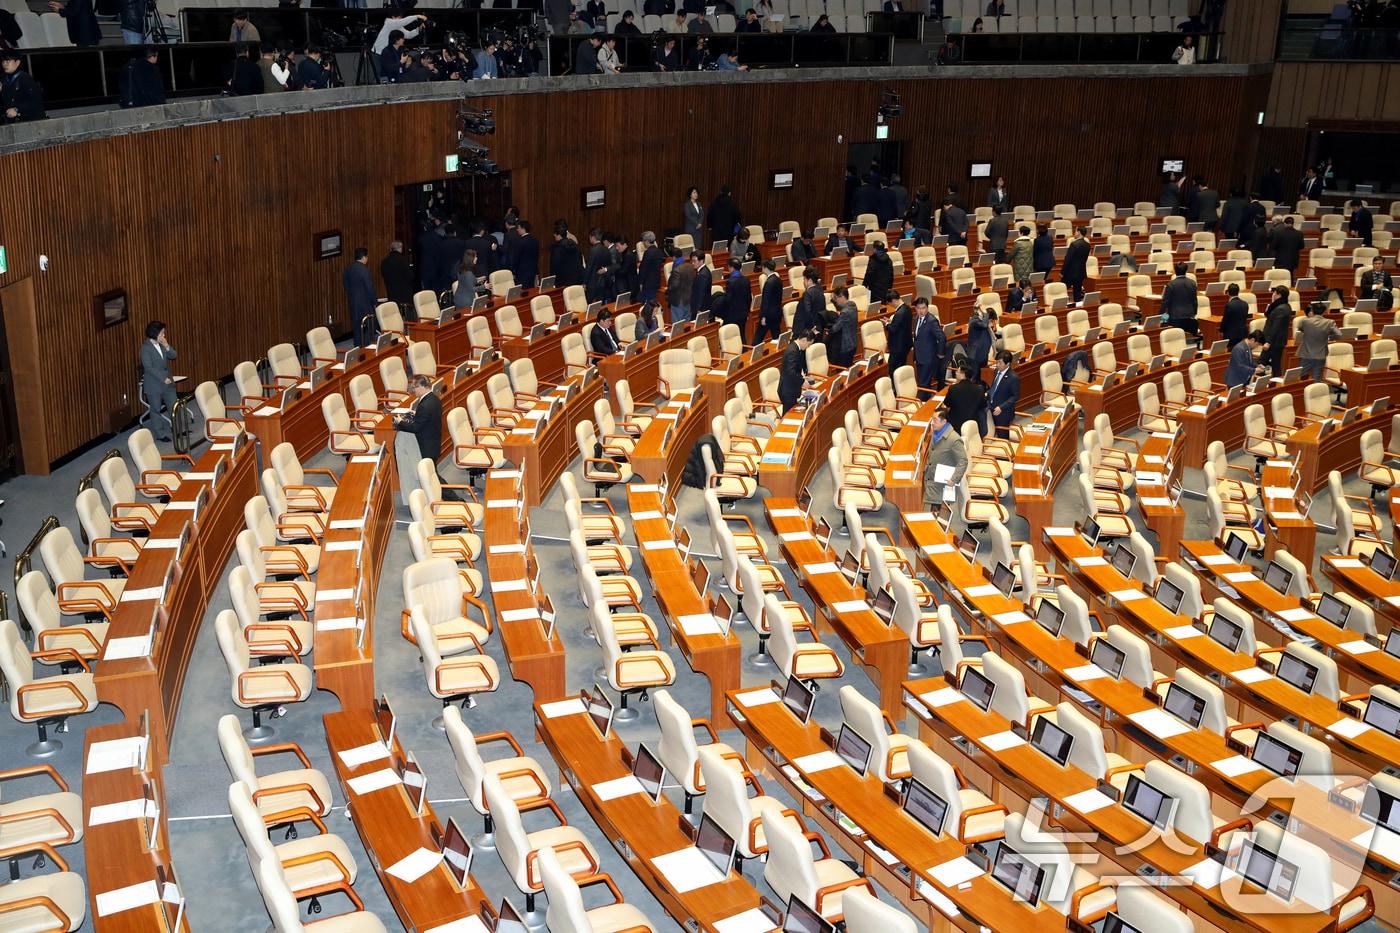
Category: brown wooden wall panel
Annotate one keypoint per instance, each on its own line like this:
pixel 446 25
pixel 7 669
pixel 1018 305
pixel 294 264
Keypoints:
pixel 210 227
pixel 1304 91
pixel 1251 30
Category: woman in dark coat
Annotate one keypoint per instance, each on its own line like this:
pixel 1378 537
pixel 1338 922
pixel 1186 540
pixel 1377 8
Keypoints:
pixel 1043 250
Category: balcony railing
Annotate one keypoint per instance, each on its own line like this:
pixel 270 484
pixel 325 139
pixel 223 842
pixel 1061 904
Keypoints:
pixel 1080 48
pixel 1302 38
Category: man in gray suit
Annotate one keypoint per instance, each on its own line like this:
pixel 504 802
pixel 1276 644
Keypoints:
pixel 947 460
pixel 157 383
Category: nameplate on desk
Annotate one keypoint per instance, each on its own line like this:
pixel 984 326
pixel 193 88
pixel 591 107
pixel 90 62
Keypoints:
pixel 619 787
pixel 644 516
pixel 1158 723
pixel 955 871
pixel 1359 646
pixel 644 487
pixel 754 698
pixel 519 615
pixel 978 592
pixel 700 623
pixel 115 755
pixel 375 780
pixel 1250 675
pixel 1278 492
pixel 133 646
pixel 820 761
pixel 347 524
pixel 364 754
pixel 750 921
pixel 128 898
pixel 1085 672
pixel 775 458
pixel 506 549
pixel 1011 618
pixel 687 869
pixel 342 545
pixel 1093 560
pixel 660 544
pixel 562 708
pixel 1240 576
pixel 918 516
pixel 1060 531
pixel 470 924
pixel 1087 801
pixel 326 596
pixel 851 605
pixel 416 864
pixel 508 586
pixel 786 513
pixel 935 897
pixel 1149 479
pixel 140 808
pixel 1182 632
pixel 1216 560
pixel 814 570
pixel 1001 741
pixel 184 505
pixel 335 625
pixel 1127 596
pixel 944 696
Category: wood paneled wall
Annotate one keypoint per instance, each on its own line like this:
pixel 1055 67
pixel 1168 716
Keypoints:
pixel 210 227
pixel 1304 91
pixel 1251 30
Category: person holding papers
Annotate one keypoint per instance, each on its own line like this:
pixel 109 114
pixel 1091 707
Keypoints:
pixel 425 420
pixel 947 461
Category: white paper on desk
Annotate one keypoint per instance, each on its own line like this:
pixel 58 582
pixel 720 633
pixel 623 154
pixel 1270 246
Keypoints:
pixel 935 897
pixel 1359 646
pixel 1348 728
pixel 1215 560
pixel 1158 723
pixel 347 523
pixel 700 623
pixel 267 410
pixel 115 754
pixel 365 458
pixel 1149 479
pixel 1240 576
pixel 132 646
pixel 506 549
pixel 562 708
pixel 786 513
pixel 939 549
pixel 520 615
pixel 986 589
pixel 1297 614
pixel 1287 516
pixel 667 416
pixel 508 586
pixel 750 921
pixel 1156 502
pixel 1348 562
pixel 795 536
pixel 162 543
pixel 660 544
pixel 955 871
pixel 1087 801
pixel 918 424
pixel 1279 463
pixel 643 487
pixel 687 869
pixel 1393 600
pixel 1059 531
pixel 139 808
pixel 364 754
pixel 644 516
pixel 145 593
pixel 127 898
pixel 416 864
pixel 756 697
pixel 821 761
pixel 470 924
pixel 1032 450
pixel 618 787
pixel 1234 766
pixel 790 435
pixel 335 625
pixel 1010 618
pixel 1127 596
pixel 1251 675
pixel 1085 672
pixel 1182 632
pixel 1093 560
pixel 375 780
pixel 343 545
pixel 902 474
pixel 221 447
pixel 1278 492
pixel 813 570
pixel 1001 741
pixel 902 458
pixel 944 696
pixel 326 596
pixel 536 414
pixel 1207 873
pixel 851 605
pixel 1026 490
pixel 504 503
pixel 1151 458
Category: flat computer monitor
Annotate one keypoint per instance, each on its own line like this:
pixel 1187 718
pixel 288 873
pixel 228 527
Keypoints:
pixel 1235 547
pixel 1380 808
pixel 1225 633
pixel 1107 657
pixel 850 566
pixel 649 772
pixel 384 719
pixel 415 783
pixel 1116 924
pixel 457 852
pixel 798 697
pixel 1383 562
pixel 1278 577
pixel 600 710
pixel 1279 757
pixel 1090 532
pixel 977 688
pixel 803 919
pixel 1124 560
pixel 1050 616
pixel 1294 670
pixel 822 532
pixel 1265 869
pixel 1052 741
pixel 944 515
pixel 852 749
pixel 929 809
pixel 716 844
pixel 1333 610
pixel 1003 579
pixel 1143 800
pixel 1383 715
pixel 700 572
pixel 1169 595
pixel 883 604
pixel 724 615
pixel 508 919
pixel 1018 875
pixel 1184 705
pixel 1392 643
pixel 968 546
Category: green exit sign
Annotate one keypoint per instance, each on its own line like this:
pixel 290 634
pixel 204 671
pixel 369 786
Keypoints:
pixel 4 261
pixel 452 163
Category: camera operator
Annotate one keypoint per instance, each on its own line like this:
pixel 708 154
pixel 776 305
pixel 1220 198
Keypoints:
pixel 454 65
pixel 486 66
pixel 284 69
pixel 700 58
pixel 394 59
pixel 667 56
pixel 408 26
pixel 312 74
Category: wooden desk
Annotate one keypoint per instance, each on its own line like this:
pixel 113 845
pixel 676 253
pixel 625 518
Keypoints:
pixel 543 444
pixel 1157 472
pixel 1339 449
pixel 454 395
pixel 1365 387
pixel 713 655
pixel 904 477
pixel 302 424
pixel 664 445
pixel 840 606
pixel 1120 399
pixel 1223 421
pixel 1286 525
pixel 639 830
pixel 1044 456
pixel 391 830
pixel 1359 580
pixel 642 370
pixel 805 445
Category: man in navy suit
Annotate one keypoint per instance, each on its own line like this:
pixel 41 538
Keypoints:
pixel 770 309
pixel 649 270
pixel 700 290
pixel 1004 394
pixel 929 344
pixel 525 256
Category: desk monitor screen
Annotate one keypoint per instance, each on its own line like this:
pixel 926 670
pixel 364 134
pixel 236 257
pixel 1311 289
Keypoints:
pixel 1333 610
pixel 1278 577
pixel 1018 875
pixel 1003 579
pixel 600 710
pixel 1149 803
pixel 798 697
pixel 508 919
pixel 415 783
pixel 945 515
pixel 724 615
pixel 1225 633
pixel 1090 532
pixel 1235 546
pixel 883 604
pixel 850 566
pixel 969 546
pixel 1052 741
pixel 803 919
pixel 1115 924
pixel 649 772
pixel 701 574
pixel 977 688
pixel 1050 616
pixel 979 170
pixel 1184 705
pixel 1392 643
pixel 457 852
pixel 1294 670
pixel 1381 808
pixel 852 749
pixel 1124 559
pixel 1108 657
pixel 384 718
pixel 1278 757
pixel 716 844
pixel 822 531
pixel 1382 715
pixel 1169 595
pixel 1383 562
pixel 1268 871
pixel 926 807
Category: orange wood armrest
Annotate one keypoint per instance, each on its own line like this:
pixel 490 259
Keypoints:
pixel 1243 726
pixel 476 663
pixel 1078 897
pixel 57 654
pixel 606 880
pixel 72 631
pixel 38 812
pixel 977 811
pixel 284 639
pixel 1243 823
pixel 290 748
pixel 266 672
pixel 834 889
pixel 30 770
pixel 294 815
pixel 60 919
pixel 29 848
pixel 1361 916
pixel 501 736
pixel 532 860
pixel 1121 769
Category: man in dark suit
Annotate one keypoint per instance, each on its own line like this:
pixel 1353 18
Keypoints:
pixel 360 296
pixel 1043 250
pixel 397 276
pixel 1075 265
pixel 525 256
pixel 1232 215
pixel 310 72
pixel 1288 245
pixel 141 82
pixel 811 308
pixel 603 338
pixel 1310 188
pixel 879 272
pixel 1377 283
pixel 997 229
pixel 952 223
pixel 599 266
pixel 899 333
pixel 1206 207
pixel 157 384
pixel 841 239
pixel 1360 222
pixel 792 372
pixel 21 98
pixel 1243 360
pixel 391 59
pixel 770 304
pixel 724 216
pixel 1004 393
pixel 966 400
pixel 803 249
pixel 1234 320
pixel 929 345
pixel 486 248
pixel 649 269
pixel 425 420
pixel 866 199
pixel 1179 301
pixel 565 261
pixel 738 296
pixel 700 289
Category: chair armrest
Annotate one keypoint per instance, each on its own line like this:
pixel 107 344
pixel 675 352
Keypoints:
pixel 266 672
pixel 290 748
pixel 30 770
pixel 702 723
pixel 977 811
pixel 56 654
pixel 69 631
pixel 826 891
pixel 1361 891
pixel 501 736
pixel 1243 823
pixel 532 860
pixel 30 848
pixel 1078 897
pixel 1242 726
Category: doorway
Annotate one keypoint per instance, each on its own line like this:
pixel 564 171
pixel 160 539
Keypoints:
pixel 419 207
pixel 885 156
pixel 17 315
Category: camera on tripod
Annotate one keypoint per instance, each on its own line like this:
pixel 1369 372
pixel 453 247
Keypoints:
pixel 477 123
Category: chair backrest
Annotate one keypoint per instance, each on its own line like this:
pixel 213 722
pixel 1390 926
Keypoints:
pixel 421 361
pixel 393 375
pixel 92 516
pixel 61 556
pixel 249 824
pixel 790 869
pixel 726 797
pixel 1316 764
pixel 1086 748
pixel 466 756
pixel 1047 328
pixel 1326 683
pixel 284 360
pixel 1009 698
pixel 321 345
pixel 866 913
pixel 866 719
pixel 277 896
pixel 233 645
pixel 1137 655
pixel 435 587
pixel 565 913
pixel 210 401
pixel 677 368
pixel 523 377
pixel 1191 816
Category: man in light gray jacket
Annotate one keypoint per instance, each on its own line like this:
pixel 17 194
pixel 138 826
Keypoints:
pixel 945 453
pixel 157 384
